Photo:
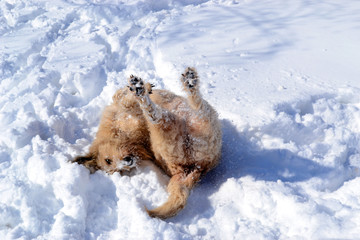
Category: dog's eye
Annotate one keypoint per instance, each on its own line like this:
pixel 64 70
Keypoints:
pixel 108 161
pixel 128 160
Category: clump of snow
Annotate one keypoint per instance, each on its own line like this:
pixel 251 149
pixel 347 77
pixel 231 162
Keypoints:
pixel 283 76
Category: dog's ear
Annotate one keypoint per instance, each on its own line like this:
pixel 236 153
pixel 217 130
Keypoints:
pixel 89 161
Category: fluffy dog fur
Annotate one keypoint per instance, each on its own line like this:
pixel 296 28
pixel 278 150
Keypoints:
pixel 182 136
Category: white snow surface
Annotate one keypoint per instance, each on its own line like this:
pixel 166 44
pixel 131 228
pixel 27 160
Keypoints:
pixel 283 75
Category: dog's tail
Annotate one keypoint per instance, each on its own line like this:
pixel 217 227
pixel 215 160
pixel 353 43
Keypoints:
pixel 179 189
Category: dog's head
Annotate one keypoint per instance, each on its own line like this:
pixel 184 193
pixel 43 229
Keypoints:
pixel 114 156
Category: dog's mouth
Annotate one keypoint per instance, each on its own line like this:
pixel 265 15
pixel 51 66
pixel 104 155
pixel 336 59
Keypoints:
pixel 130 172
pixel 124 172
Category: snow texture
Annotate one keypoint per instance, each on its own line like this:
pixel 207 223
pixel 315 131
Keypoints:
pixel 283 76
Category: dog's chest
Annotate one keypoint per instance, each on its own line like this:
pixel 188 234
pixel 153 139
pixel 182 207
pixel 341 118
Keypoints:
pixel 126 120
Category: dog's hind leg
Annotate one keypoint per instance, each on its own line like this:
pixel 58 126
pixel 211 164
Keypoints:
pixel 190 81
pixel 204 122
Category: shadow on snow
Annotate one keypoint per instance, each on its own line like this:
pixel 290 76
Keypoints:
pixel 240 158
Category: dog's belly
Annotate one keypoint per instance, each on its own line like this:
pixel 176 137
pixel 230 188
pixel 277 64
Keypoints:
pixel 201 136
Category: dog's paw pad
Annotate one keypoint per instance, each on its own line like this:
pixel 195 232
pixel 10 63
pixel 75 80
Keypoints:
pixel 136 85
pixel 190 78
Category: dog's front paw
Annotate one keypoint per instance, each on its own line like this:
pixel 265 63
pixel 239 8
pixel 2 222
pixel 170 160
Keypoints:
pixel 138 87
pixel 190 78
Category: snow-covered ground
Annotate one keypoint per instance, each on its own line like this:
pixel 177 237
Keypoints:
pixel 283 75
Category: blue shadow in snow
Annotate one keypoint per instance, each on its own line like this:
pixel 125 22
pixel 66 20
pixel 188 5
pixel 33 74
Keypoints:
pixel 240 157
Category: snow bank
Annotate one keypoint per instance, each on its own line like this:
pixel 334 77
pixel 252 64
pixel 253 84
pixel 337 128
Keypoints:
pixel 283 76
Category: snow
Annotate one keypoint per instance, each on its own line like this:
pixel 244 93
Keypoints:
pixel 283 76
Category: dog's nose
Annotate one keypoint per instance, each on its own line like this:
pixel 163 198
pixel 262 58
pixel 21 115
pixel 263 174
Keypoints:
pixel 128 161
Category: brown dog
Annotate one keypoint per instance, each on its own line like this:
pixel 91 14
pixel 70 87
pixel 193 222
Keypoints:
pixel 182 136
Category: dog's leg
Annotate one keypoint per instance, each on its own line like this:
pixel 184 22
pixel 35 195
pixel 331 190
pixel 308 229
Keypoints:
pixel 166 130
pixel 190 81
pixel 204 121
pixel 153 113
